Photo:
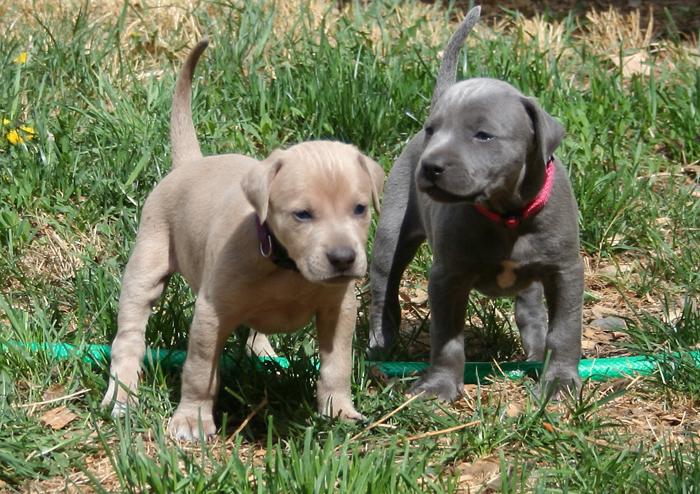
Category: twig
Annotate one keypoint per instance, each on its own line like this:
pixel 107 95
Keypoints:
pixel 250 416
pixel 387 416
pixel 54 400
pixel 442 431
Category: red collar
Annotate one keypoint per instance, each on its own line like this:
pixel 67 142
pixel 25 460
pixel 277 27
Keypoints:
pixel 512 220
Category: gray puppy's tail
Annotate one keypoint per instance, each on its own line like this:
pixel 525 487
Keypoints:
pixel 183 137
pixel 448 68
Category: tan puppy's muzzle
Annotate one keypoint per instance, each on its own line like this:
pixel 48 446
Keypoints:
pixel 341 259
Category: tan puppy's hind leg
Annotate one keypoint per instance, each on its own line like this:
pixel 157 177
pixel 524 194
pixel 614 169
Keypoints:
pixel 335 327
pixel 146 275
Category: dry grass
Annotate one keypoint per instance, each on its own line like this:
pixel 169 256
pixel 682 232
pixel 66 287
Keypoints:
pixel 55 255
pixel 157 28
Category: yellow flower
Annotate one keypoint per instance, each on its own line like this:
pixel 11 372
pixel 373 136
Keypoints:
pixel 29 130
pixel 6 121
pixel 14 138
pixel 21 59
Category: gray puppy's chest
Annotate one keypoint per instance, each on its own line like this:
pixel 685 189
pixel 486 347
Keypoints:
pixel 507 278
pixel 497 262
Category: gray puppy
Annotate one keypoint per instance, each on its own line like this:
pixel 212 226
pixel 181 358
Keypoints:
pixel 481 184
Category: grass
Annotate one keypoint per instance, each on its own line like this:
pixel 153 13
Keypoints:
pixel 91 103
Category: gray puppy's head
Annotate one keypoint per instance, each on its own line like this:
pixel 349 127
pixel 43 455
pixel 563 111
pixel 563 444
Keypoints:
pixel 485 142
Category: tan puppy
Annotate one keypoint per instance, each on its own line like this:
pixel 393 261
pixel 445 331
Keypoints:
pixel 312 200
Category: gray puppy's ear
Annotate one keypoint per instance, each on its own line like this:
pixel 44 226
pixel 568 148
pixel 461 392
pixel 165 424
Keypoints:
pixel 376 175
pixel 256 184
pixel 548 131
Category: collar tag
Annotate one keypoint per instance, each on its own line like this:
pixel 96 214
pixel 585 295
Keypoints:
pixel 511 222
pixel 270 248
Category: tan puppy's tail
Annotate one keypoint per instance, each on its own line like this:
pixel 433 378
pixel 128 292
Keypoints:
pixel 183 137
pixel 448 69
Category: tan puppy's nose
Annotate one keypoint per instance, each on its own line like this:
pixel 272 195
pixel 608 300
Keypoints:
pixel 341 258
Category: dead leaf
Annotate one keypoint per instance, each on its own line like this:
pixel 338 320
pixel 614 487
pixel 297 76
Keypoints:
pixel 513 410
pixel 600 311
pixel 634 64
pixel 588 345
pixel 547 426
pixel 692 170
pixel 54 391
pixel 420 297
pixel 58 418
pixel 477 474
pixel 671 419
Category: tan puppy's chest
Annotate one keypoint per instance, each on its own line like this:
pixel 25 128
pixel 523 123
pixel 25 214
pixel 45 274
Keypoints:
pixel 285 302
pixel 279 317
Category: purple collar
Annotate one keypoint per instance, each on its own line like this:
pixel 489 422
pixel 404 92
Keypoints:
pixel 512 220
pixel 272 249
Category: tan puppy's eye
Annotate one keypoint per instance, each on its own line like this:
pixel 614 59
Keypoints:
pixel 303 215
pixel 360 210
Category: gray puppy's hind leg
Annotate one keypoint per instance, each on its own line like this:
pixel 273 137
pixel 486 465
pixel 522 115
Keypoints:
pixel 145 277
pixel 398 236
pixel 531 318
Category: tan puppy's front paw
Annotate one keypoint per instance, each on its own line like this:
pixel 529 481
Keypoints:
pixel 119 395
pixel 351 416
pixel 185 424
pixel 341 408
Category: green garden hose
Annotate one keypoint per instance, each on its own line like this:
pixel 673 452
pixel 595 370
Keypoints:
pixel 596 369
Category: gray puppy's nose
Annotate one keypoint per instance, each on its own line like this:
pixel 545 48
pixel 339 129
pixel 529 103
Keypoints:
pixel 431 171
pixel 341 258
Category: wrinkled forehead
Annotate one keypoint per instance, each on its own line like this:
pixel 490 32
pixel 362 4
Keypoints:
pixel 330 171
pixel 481 97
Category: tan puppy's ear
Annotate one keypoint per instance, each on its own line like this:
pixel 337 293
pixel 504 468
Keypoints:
pixel 376 175
pixel 256 185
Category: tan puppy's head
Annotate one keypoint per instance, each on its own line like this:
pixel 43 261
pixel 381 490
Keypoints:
pixel 315 197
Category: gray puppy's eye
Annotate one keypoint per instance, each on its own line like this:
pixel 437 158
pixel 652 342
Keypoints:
pixel 429 130
pixel 303 215
pixel 483 136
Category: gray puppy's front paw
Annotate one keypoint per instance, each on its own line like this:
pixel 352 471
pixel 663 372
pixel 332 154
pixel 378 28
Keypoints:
pixel 380 345
pixel 378 353
pixel 442 385
pixel 555 385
